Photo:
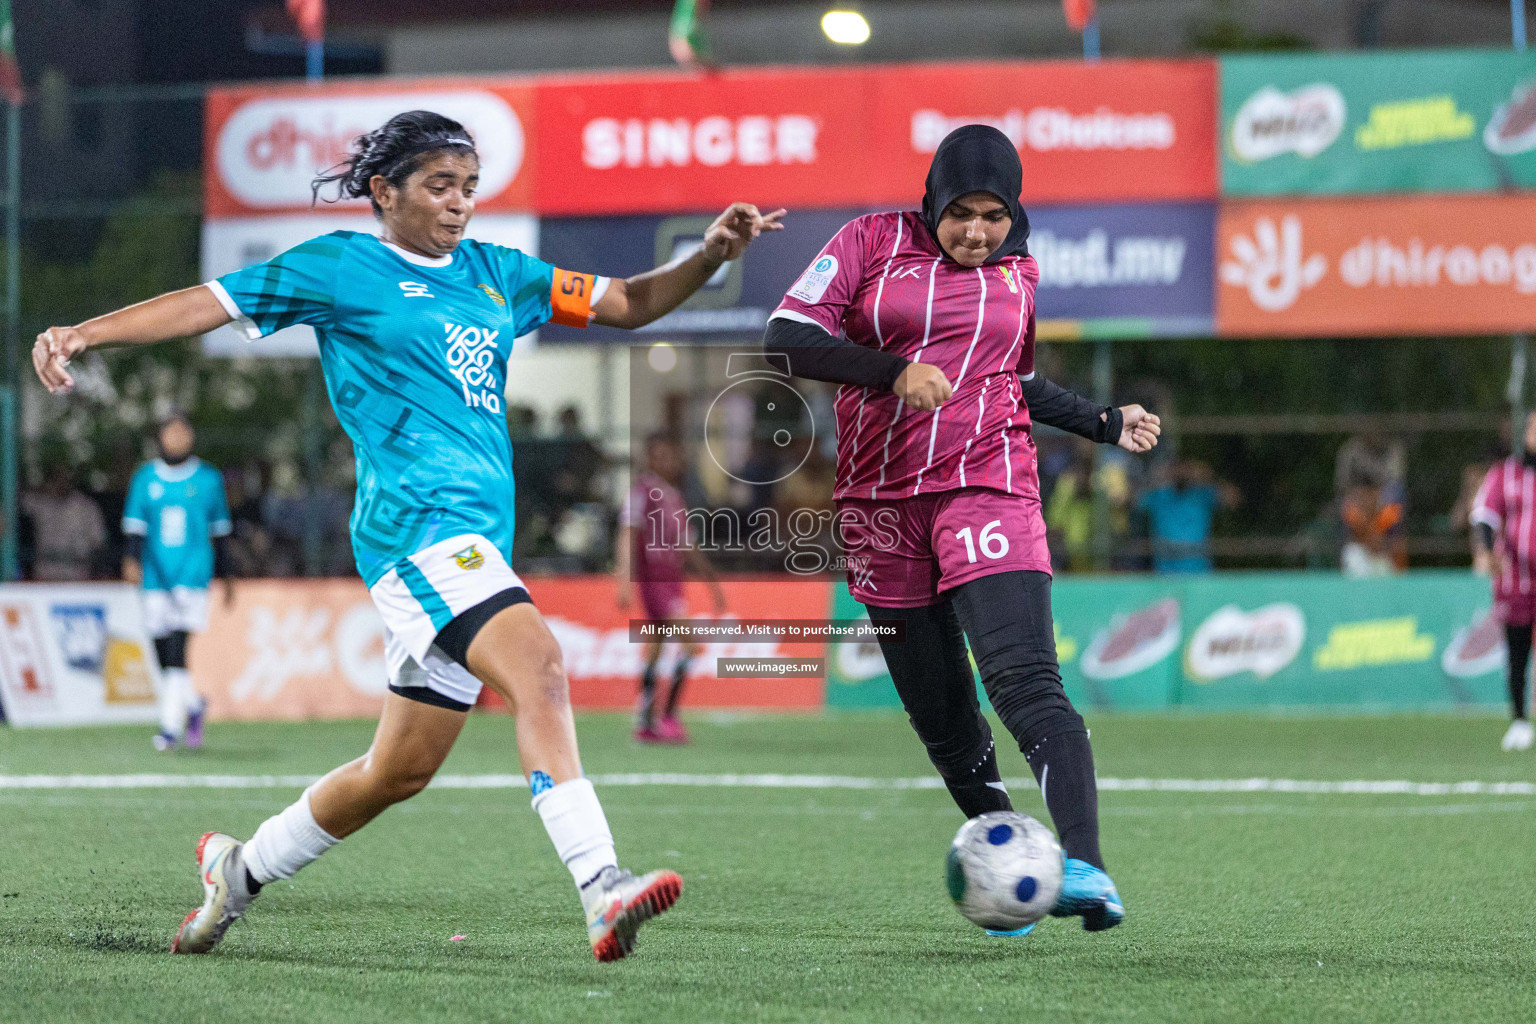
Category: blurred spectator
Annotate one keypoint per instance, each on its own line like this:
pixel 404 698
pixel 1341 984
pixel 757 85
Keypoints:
pixel 1069 517
pixel 68 530
pixel 1374 544
pixel 1179 516
pixel 1373 460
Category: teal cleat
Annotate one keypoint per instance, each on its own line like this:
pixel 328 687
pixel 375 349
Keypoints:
pixel 1088 893
pixel 1017 933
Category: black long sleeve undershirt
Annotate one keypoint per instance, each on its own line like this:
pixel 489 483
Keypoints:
pixel 1055 406
pixel 815 354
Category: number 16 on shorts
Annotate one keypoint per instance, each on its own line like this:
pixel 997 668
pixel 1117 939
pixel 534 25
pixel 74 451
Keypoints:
pixel 994 544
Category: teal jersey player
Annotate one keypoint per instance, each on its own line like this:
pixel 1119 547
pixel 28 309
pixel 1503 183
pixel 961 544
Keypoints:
pixel 415 354
pixel 178 510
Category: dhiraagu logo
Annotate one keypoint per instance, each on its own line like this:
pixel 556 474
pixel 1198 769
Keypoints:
pixel 471 359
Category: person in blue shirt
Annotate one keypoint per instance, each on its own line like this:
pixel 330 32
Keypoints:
pixel 415 325
pixel 1179 516
pixel 175 526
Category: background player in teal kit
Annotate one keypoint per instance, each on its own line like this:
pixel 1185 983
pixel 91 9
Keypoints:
pixel 175 525
pixel 414 326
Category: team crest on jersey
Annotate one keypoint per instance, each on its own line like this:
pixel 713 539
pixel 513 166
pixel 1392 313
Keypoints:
pixel 495 295
pixel 1009 279
pixel 469 558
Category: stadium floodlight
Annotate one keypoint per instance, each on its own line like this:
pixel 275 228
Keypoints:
pixel 846 27
pixel 662 357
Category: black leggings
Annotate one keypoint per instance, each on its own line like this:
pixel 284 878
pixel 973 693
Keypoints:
pixel 1518 640
pixel 171 649
pixel 1007 617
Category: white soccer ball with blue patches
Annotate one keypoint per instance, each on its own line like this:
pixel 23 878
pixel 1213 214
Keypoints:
pixel 1004 870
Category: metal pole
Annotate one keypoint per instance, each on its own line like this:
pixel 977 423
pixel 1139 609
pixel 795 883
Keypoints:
pixel 1517 23
pixel 314 392
pixel 1516 395
pixel 1091 38
pixel 9 409
pixel 314 60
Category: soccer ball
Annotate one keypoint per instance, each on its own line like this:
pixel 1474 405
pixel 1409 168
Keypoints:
pixel 1004 870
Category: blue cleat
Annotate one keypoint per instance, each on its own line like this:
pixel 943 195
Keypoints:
pixel 1017 933
pixel 1088 893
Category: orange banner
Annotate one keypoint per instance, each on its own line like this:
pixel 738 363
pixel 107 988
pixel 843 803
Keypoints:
pixel 1420 265
pixel 299 649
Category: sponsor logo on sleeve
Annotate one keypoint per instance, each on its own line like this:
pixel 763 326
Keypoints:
pixel 814 282
pixel 1270 122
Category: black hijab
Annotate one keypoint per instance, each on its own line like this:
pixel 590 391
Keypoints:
pixel 978 158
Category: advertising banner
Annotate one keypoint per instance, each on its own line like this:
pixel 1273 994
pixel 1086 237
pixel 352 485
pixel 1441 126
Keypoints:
pixel 1383 266
pixel 263 145
pixel 1420 641
pixel 1126 271
pixel 1432 121
pixel 1118 130
pixel 735 302
pixel 303 649
pixel 75 654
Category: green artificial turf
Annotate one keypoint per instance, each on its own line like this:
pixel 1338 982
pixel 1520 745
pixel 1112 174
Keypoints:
pixel 801 904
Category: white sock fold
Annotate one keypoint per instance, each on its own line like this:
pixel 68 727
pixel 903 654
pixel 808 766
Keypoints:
pixel 577 826
pixel 286 842
pixel 175 687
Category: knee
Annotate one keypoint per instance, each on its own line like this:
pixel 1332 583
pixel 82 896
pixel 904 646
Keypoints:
pixel 551 689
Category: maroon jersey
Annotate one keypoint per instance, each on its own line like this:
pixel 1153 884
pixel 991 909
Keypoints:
pixel 1507 502
pixel 656 510
pixel 884 282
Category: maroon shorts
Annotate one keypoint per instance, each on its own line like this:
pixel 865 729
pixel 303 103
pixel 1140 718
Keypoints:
pixel 662 599
pixel 1515 609
pixel 905 552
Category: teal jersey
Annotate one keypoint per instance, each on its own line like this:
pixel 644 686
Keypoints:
pixel 415 356
pixel 178 510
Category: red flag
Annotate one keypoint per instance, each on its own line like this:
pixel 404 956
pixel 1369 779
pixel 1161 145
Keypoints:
pixel 1079 12
pixel 310 14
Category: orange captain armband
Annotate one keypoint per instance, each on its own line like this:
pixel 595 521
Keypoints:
pixel 570 298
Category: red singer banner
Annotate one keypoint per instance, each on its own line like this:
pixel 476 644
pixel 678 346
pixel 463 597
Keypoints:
pixel 1409 265
pixel 263 145
pixel 1116 130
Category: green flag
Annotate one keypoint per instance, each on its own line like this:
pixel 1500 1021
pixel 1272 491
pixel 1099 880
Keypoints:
pixel 685 35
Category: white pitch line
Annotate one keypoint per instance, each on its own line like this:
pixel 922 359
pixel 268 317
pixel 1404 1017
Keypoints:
pixel 1363 787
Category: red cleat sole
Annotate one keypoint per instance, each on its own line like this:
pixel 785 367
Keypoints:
pixel 656 898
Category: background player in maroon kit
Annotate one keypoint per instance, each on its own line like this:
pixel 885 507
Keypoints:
pixel 927 320
pixel 1504 533
pixel 653 555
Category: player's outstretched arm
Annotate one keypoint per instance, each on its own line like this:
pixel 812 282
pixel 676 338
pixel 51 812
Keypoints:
pixel 636 301
pixel 172 315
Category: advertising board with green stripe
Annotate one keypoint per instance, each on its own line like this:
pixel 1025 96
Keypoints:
pixel 1418 121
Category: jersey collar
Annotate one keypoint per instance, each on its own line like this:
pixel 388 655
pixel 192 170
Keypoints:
pixel 176 474
pixel 416 258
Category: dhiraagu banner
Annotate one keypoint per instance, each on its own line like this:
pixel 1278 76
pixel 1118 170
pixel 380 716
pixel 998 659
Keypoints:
pixel 1425 121
pixel 1237 642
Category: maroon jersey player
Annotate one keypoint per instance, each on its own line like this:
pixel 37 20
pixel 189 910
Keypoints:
pixel 1504 533
pixel 927 320
pixel 653 556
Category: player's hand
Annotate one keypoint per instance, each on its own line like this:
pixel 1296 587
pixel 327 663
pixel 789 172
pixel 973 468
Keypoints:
pixel 731 233
pixel 51 354
pixel 1495 563
pixel 622 596
pixel 923 386
pixel 720 606
pixel 133 572
pixel 229 592
pixel 1139 429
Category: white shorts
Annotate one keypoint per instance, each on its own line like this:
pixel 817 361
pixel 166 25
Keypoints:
pixel 421 595
pixel 180 608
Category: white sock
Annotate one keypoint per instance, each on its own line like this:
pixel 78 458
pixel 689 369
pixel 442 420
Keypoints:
pixel 173 701
pixel 576 825
pixel 286 842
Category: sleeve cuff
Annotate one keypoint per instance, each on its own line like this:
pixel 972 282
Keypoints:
pixel 600 288
pixel 1487 517
pixel 244 324
pixel 222 528
pixel 801 318
pixel 137 527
